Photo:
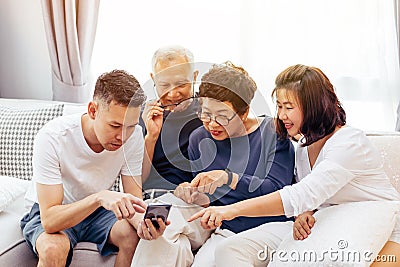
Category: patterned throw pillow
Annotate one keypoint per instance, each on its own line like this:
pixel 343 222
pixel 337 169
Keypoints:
pixel 116 185
pixel 18 128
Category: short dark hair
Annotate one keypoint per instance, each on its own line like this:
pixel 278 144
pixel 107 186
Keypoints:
pixel 315 95
pixel 119 86
pixel 227 82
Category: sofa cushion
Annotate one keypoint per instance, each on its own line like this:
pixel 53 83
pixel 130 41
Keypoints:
pixel 18 128
pixel 69 108
pixel 388 145
pixel 10 189
pixel 9 224
pixel 15 252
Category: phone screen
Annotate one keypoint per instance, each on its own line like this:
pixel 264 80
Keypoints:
pixel 155 211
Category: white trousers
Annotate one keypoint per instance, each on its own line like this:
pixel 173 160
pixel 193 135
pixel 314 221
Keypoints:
pixel 206 254
pixel 174 247
pixel 252 247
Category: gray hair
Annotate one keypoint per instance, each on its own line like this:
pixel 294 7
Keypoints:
pixel 170 53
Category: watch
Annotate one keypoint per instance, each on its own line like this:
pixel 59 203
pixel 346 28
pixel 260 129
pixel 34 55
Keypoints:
pixel 230 176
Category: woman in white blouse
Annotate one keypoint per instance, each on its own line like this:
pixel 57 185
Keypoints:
pixel 335 164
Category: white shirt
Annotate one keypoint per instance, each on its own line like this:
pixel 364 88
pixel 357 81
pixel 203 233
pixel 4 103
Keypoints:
pixel 62 156
pixel 348 168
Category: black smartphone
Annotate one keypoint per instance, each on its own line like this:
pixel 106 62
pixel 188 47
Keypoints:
pixel 157 210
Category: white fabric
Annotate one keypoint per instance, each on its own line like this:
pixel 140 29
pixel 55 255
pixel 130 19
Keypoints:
pixel 388 147
pixel 362 234
pixel 62 156
pixel 358 229
pixel 174 247
pixel 206 254
pixel 348 169
pixel 367 86
pixel 69 108
pixel 398 118
pixel 10 189
pixel 70 29
pixel 357 51
pixel 397 16
pixel 252 248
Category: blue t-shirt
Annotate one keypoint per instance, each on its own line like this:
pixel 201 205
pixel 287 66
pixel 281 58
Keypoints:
pixel 264 164
pixel 170 165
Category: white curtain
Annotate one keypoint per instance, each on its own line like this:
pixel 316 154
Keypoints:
pixel 397 16
pixel 353 42
pixel 70 30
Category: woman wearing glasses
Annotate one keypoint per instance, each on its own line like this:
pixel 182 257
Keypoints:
pixel 233 156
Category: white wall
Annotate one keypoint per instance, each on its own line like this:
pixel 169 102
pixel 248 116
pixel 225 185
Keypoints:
pixel 25 70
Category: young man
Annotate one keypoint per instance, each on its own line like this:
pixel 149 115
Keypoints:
pixel 169 120
pixel 76 160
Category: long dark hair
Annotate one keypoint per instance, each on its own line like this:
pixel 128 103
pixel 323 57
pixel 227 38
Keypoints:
pixel 316 97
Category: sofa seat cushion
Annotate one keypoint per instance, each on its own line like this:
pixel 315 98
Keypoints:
pixel 15 252
pixel 9 224
pixel 85 254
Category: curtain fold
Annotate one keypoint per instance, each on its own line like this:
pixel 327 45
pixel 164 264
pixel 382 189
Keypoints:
pixel 70 27
pixel 397 16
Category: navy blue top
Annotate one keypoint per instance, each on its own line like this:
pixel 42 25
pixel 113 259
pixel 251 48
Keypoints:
pixel 170 165
pixel 264 164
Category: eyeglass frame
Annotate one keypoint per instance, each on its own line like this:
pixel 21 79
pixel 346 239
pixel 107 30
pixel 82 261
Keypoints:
pixel 180 102
pixel 215 117
pixel 177 104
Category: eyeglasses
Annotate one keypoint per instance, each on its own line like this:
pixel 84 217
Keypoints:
pixel 181 105
pixel 220 119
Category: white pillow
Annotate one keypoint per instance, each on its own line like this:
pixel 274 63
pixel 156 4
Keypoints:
pixel 349 234
pixel 10 189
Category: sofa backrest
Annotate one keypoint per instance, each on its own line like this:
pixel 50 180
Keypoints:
pixel 388 145
pixel 20 120
pixel 69 108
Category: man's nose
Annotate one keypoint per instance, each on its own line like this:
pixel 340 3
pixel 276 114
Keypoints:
pixel 119 134
pixel 173 93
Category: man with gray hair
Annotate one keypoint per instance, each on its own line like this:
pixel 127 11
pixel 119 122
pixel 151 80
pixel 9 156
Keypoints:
pixel 169 120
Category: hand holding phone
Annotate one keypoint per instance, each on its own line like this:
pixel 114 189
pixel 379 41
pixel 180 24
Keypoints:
pixel 157 210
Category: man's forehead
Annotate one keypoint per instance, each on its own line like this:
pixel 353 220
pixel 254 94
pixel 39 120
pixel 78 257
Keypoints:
pixel 171 68
pixel 172 78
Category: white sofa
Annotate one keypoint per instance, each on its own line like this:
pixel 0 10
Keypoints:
pixel 13 249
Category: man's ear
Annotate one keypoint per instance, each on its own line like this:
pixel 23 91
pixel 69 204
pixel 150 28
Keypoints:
pixel 92 109
pixel 246 114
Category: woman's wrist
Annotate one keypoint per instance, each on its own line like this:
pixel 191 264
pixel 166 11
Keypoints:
pixel 232 179
pixel 235 180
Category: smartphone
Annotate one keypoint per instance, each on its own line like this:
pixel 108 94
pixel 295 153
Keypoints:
pixel 157 210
